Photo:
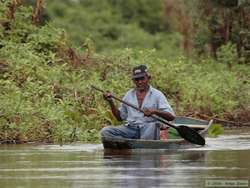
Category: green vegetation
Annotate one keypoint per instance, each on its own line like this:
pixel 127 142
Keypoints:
pixel 215 130
pixel 108 23
pixel 45 77
pixel 201 26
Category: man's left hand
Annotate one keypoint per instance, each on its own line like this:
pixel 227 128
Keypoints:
pixel 149 112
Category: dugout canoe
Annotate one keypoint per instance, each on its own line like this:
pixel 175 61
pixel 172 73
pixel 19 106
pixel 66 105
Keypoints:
pixel 201 126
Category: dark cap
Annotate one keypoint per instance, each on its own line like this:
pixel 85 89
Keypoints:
pixel 139 71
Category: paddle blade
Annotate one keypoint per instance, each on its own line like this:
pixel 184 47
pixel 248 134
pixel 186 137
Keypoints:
pixel 190 135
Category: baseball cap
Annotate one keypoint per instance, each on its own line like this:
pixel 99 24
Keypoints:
pixel 139 71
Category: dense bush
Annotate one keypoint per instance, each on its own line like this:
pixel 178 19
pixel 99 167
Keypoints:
pixel 45 93
pixel 114 24
pixel 203 26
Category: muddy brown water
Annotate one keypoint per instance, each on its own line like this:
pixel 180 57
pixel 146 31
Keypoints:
pixel 223 162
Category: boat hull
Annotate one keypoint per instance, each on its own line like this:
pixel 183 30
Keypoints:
pixel 170 144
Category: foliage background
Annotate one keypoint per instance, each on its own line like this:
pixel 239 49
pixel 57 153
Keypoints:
pixel 50 57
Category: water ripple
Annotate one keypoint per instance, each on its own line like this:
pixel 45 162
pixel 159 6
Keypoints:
pixel 227 142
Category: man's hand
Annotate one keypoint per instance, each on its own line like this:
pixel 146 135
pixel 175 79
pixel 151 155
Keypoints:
pixel 165 115
pixel 149 112
pixel 108 96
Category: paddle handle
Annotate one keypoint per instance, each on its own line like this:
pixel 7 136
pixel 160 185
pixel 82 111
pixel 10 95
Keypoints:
pixel 118 99
pixel 139 109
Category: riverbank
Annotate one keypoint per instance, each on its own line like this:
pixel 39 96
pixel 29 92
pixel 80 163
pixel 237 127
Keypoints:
pixel 226 130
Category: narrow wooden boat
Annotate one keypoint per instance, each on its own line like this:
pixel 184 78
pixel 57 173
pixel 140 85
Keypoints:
pixel 201 126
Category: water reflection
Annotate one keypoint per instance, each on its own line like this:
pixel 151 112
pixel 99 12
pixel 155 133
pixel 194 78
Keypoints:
pixel 88 166
pixel 154 169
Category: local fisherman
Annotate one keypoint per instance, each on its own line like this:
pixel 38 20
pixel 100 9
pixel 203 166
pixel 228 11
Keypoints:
pixel 138 125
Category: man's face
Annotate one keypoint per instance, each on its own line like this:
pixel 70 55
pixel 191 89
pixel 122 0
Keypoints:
pixel 141 83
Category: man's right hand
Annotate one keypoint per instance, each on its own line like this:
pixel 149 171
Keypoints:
pixel 108 96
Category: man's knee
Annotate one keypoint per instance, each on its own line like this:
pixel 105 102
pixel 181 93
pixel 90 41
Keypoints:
pixel 106 131
pixel 150 132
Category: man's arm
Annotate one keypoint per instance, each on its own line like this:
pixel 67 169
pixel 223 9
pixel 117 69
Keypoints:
pixel 164 110
pixel 166 115
pixel 108 96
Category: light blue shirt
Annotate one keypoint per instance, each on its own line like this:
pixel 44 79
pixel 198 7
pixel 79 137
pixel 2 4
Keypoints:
pixel 154 99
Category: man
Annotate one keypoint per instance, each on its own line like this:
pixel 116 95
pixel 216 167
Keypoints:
pixel 153 102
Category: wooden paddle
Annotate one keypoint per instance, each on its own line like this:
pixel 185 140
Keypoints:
pixel 185 132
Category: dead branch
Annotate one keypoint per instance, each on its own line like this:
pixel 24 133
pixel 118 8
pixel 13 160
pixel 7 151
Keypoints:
pixel 224 122
pixel 73 57
pixel 37 12
pixel 12 9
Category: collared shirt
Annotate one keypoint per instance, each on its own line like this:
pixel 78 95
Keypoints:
pixel 154 99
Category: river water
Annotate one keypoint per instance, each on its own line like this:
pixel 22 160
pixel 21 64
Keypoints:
pixel 223 162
